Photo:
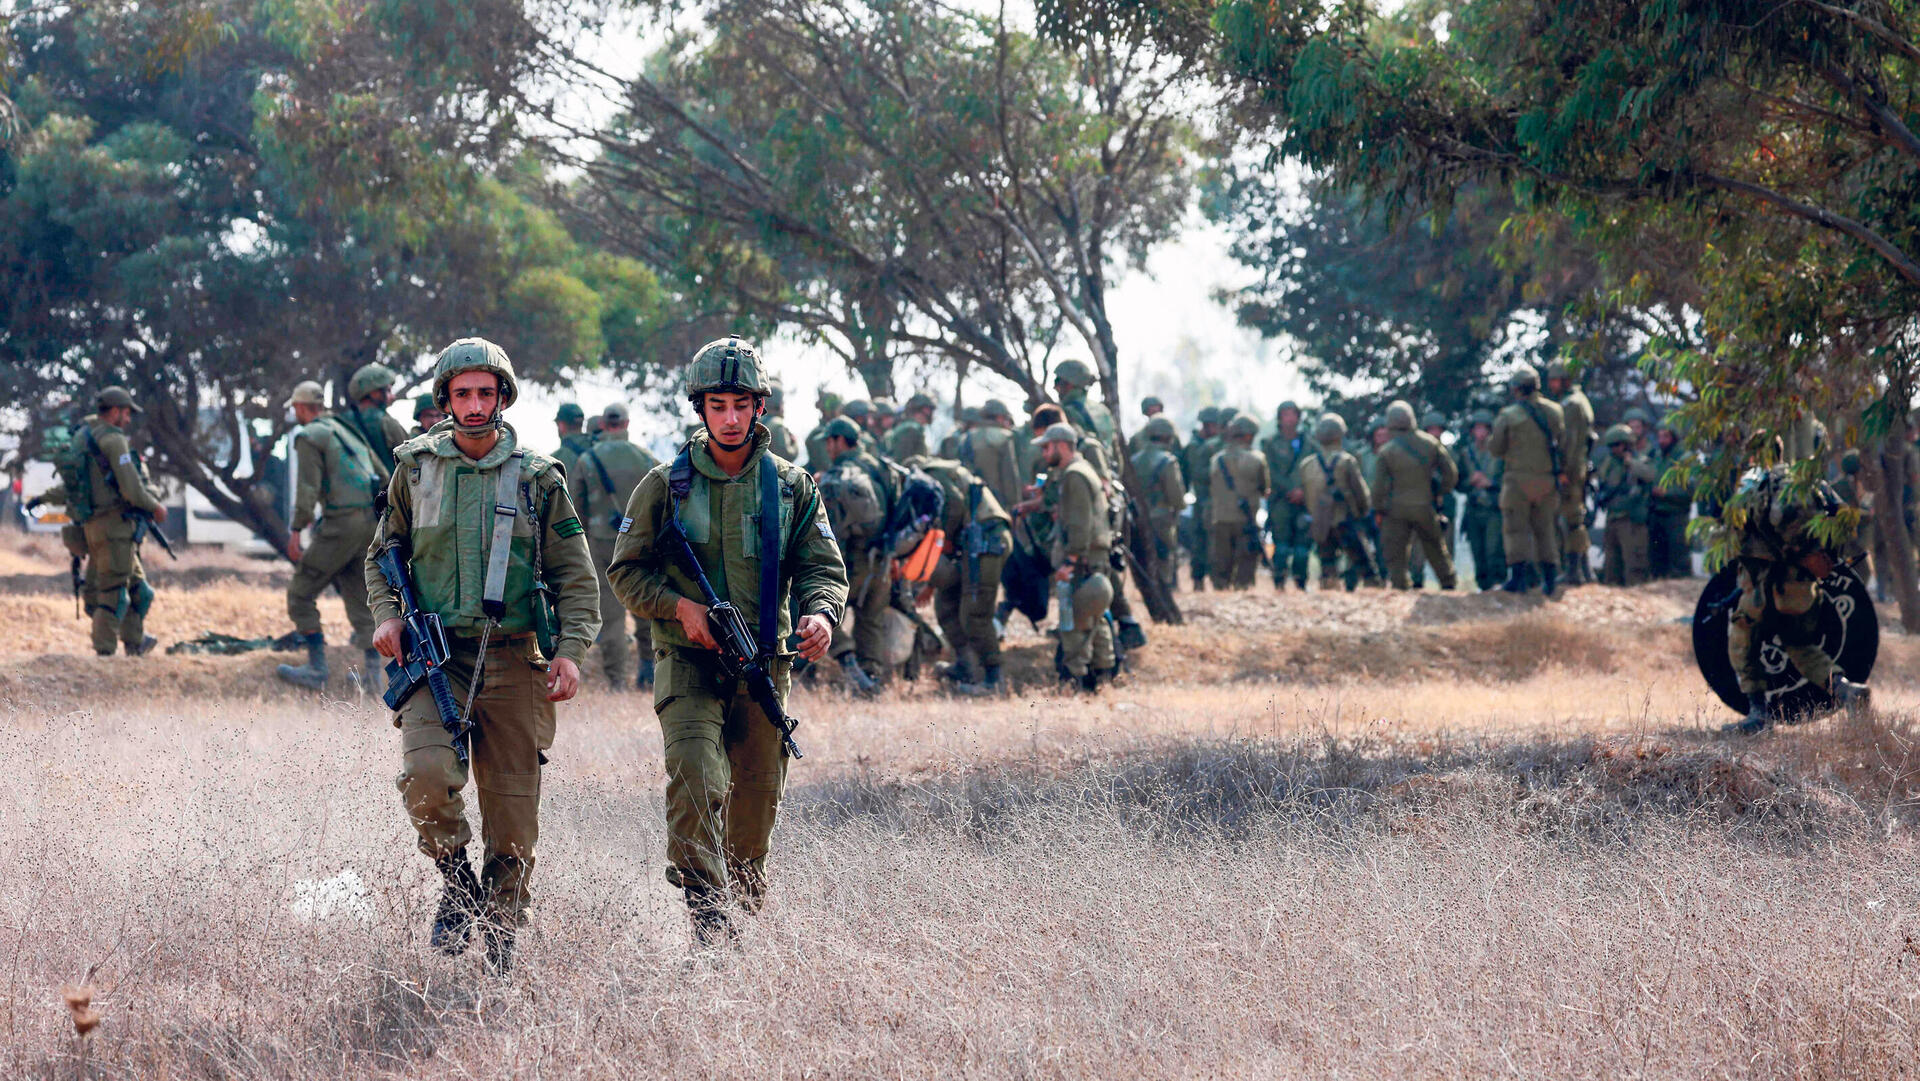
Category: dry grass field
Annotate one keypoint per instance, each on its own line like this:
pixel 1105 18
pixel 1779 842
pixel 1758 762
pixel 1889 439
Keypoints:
pixel 1342 836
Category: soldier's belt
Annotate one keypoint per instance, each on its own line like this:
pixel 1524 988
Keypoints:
pixel 471 643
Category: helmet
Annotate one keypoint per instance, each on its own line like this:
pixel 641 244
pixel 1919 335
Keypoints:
pixel 920 401
pixel 115 398
pixel 1073 373
pixel 842 428
pixel 468 355
pixel 884 407
pixel 307 392
pixel 1375 423
pixel 1160 430
pixel 1243 427
pixel 423 404
pixel 1150 402
pixel 857 409
pixel 372 377
pixel 1209 415
pixel 1482 416
pixel 1433 418
pixel 1850 462
pixel 828 402
pixel 1557 369
pixel 1637 413
pixel 1617 435
pixel 1524 378
pixel 1332 428
pixel 569 413
pixel 727 364
pixel 776 397
pixel 1227 413
pixel 1399 416
pixel 1058 433
pixel 994 407
pixel 969 414
pixel 1284 406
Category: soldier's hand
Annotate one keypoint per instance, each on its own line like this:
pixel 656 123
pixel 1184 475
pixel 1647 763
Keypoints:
pixel 293 547
pixel 386 638
pixel 1298 495
pixel 160 514
pixel 693 620
pixel 563 680
pixel 815 635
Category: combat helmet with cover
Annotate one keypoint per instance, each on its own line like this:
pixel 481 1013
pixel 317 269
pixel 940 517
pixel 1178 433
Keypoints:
pixel 1159 429
pixel 1331 428
pixel 1617 435
pixel 371 377
pixel 1243 428
pixel 1074 373
pixel 1399 416
pixel 729 365
pixel 474 355
pixel 1526 378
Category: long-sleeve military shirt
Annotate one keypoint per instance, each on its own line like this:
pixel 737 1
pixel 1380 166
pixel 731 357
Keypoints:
pixel 381 432
pixel 1576 413
pixel 1409 471
pixel 337 471
pixel 116 474
pixel 721 520
pixel 1081 532
pixel 1159 470
pixel 1240 485
pixel 1335 490
pixel 1519 440
pixel 1470 458
pixel 990 452
pixel 1625 485
pixel 603 479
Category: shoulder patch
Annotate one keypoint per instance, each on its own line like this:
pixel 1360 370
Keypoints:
pixel 569 527
pixel 825 529
pixel 126 457
pixel 626 524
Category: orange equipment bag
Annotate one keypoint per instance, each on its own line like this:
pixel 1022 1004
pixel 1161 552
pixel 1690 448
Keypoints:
pixel 919 564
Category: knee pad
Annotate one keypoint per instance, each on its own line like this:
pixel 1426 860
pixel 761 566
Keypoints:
pixel 142 598
pixel 122 601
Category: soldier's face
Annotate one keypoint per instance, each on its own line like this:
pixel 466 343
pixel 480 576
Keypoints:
pixel 1056 453
pixel 729 417
pixel 1639 428
pixel 924 414
pixel 120 416
pixel 1154 410
pixel 1289 418
pixel 1666 438
pixel 1380 436
pixel 304 412
pixel 431 417
pixel 474 397
pixel 1481 432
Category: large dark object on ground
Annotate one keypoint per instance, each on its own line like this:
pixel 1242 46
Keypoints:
pixel 1849 631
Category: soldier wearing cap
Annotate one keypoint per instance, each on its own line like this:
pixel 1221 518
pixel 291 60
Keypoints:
pixel 966 422
pixel 1288 522
pixel 570 420
pixel 1530 437
pixel 1479 483
pixel 758 531
pixel 118 489
pixel 858 499
pixel 1577 412
pixel 338 478
pixel 1409 470
pixel 1082 536
pixel 600 483
pixel 371 392
pixel 426 414
pixel 490 536
pixel 908 439
pixel 784 444
pixel 1166 494
pixel 1240 484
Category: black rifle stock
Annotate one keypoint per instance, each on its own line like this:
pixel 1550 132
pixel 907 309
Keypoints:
pixel 144 526
pixel 423 651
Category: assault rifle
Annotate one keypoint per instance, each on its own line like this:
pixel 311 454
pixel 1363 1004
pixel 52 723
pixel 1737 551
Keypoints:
pixel 423 651
pixel 144 526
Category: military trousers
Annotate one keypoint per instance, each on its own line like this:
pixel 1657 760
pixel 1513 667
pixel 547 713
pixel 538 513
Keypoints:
pixel 118 595
pixel 1668 553
pixel 337 557
pixel 1624 557
pixel 1485 544
pixel 1200 551
pixel 1399 531
pixel 1167 548
pixel 1289 522
pixel 1416 558
pixel 1529 513
pixel 964 604
pixel 1235 561
pixel 1337 541
pixel 725 773
pixel 620 630
pixel 1789 609
pixel 1088 647
pixel 513 724
pixel 870 588
pixel 1574 539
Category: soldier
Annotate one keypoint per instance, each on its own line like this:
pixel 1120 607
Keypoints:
pixel 1240 483
pixel 371 391
pixel 1781 565
pixel 992 452
pixel 425 415
pixel 1577 413
pixel 489 533
pixel 570 420
pixel 1150 407
pixel 725 765
pixel 1071 382
pixel 881 417
pixel 967 421
pixel 1410 468
pixel 1527 437
pixel 858 503
pixel 828 403
pixel 1081 538
pixel 1337 497
pixel 1626 481
pixel 860 412
pixel 1434 423
pixel 1159 470
pixel 118 491
pixel 1206 443
pixel 784 444
pixel 1480 473
pixel 908 439
pixel 339 478
pixel 1287 518
pixel 1668 552
pixel 600 484
pixel 966 581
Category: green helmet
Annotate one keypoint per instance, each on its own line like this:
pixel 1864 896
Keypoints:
pixel 1332 428
pixel 1399 416
pixel 1159 430
pixel 568 413
pixel 1637 413
pixel 857 409
pixel 1525 377
pixel 921 401
pixel 841 428
pixel 1433 418
pixel 828 402
pixel 970 414
pixel 1617 435
pixel 727 364
pixel 1482 416
pixel 1209 415
pixel 423 404
pixel 369 378
pixel 1284 406
pixel 1074 373
pixel 1850 462
pixel 1375 423
pixel 1243 428
pixel 1557 369
pixel 884 407
pixel 1227 413
pixel 468 355
pixel 776 397
pixel 1150 402
pixel 994 407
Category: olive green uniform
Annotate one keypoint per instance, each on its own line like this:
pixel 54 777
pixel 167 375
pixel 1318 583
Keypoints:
pixel 991 452
pixel 1288 520
pixel 1481 519
pixel 118 596
pixel 1576 413
pixel 1406 474
pixel 339 475
pixel 572 446
pixel 725 770
pixel 1159 470
pixel 446 508
pixel 857 501
pixel 618 462
pixel 1668 511
pixel 1529 488
pixel 908 439
pixel 1338 498
pixel 378 430
pixel 1082 537
pixel 966 589
pixel 1199 461
pixel 1239 484
pixel 1625 488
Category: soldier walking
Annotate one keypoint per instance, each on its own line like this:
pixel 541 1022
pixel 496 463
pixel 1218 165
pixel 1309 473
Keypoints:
pixel 1528 437
pixel 1337 496
pixel 759 534
pixel 371 392
pixel 489 534
pixel 600 484
pixel 966 581
pixel 1082 537
pixel 1240 484
pixel 1409 469
pixel 338 480
pixel 1206 443
pixel 118 492
pixel 858 504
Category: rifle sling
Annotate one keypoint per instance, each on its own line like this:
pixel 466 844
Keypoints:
pixel 506 508
pixel 1554 456
pixel 680 483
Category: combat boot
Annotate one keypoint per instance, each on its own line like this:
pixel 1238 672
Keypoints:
pixel 1516 578
pixel 143 647
pixel 459 905
pixel 707 911
pixel 1758 719
pixel 858 680
pixel 1850 695
pixel 990 681
pixel 1548 574
pixel 1090 683
pixel 313 674
pixel 1131 635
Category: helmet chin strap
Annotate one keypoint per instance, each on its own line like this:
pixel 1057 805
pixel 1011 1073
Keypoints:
pixel 494 423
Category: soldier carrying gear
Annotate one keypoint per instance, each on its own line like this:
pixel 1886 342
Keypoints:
pixel 1206 443
pixel 339 478
pixel 908 439
pixel 1288 522
pixel 1480 474
pixel 1240 483
pixel 495 550
pixel 1668 553
pixel 371 392
pixel 1625 482
pixel 967 420
pixel 992 451
pixel 1409 470
pixel 571 422
pixel 117 495
pixel 730 520
pixel 1081 540
pixel 1782 563
pixel 1159 470
pixel 426 414
pixel 1337 498
pixel 1434 423
pixel 1529 437
pixel 966 580
pixel 1071 381
pixel 858 503
pixel 600 484
pixel 1577 414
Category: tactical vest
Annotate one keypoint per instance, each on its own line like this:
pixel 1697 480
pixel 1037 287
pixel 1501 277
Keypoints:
pixel 457 506
pixel 359 477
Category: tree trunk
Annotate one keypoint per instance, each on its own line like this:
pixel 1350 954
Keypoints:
pixel 1161 605
pixel 1891 518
